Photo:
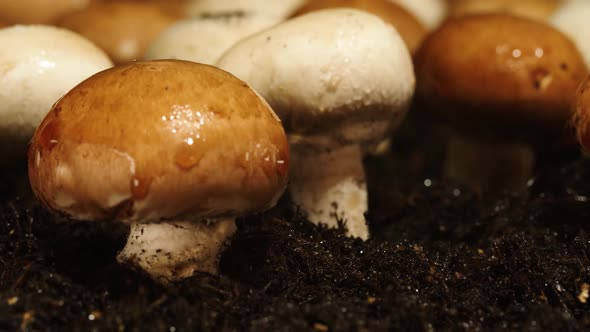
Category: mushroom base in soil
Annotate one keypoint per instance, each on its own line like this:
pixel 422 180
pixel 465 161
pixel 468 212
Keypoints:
pixel 330 186
pixel 489 165
pixel 176 249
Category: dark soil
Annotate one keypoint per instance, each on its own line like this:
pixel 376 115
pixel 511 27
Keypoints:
pixel 440 259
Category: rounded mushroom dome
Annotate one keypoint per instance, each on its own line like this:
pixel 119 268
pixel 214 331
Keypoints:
pixel 279 9
pixel 409 27
pixel 158 140
pixel 204 39
pixel 123 29
pixel 499 72
pixel 335 76
pixel 38 65
pixel 38 11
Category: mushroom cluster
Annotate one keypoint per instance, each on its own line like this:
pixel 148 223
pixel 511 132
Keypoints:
pixel 182 142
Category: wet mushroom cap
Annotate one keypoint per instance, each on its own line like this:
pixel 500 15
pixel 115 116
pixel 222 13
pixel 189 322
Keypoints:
pixel 534 9
pixel 343 76
pixel 280 9
pixel 38 11
pixel 123 29
pixel 499 72
pixel 38 65
pixel 410 29
pixel 158 140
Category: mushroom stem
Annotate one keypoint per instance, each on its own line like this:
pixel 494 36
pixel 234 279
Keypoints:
pixel 175 250
pixel 330 186
pixel 488 166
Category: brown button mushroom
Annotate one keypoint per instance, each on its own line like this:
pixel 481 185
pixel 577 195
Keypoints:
pixel 504 83
pixel 174 148
pixel 534 9
pixel 581 116
pixel 38 11
pixel 410 29
pixel 123 29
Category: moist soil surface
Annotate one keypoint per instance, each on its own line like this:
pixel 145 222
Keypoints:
pixel 441 258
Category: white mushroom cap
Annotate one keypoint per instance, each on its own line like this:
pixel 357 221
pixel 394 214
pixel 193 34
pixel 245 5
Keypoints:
pixel 573 19
pixel 274 8
pixel 205 39
pixel 39 64
pixel 430 12
pixel 335 77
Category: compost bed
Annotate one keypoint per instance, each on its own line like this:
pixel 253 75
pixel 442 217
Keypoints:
pixel 440 259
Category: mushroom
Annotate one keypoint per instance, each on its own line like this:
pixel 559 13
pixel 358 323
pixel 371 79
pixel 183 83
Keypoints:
pixel 581 116
pixel 505 84
pixel 275 9
pixel 430 12
pixel 572 19
pixel 409 27
pixel 533 9
pixel 176 149
pixel 123 29
pixel 204 39
pixel 38 11
pixel 339 79
pixel 38 65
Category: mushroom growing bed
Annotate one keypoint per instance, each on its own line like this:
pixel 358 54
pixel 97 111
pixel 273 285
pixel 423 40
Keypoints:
pixel 440 258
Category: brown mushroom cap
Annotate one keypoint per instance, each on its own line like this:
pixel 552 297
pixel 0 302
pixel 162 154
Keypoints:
pixel 38 11
pixel 123 29
pixel 534 9
pixel 159 140
pixel 500 73
pixel 581 117
pixel 409 27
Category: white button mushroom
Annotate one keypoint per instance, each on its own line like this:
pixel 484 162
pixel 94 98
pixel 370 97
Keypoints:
pixel 430 12
pixel 174 148
pixel 573 19
pixel 339 79
pixel 38 64
pixel 204 39
pixel 277 9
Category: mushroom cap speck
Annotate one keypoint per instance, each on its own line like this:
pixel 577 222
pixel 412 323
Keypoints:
pixel 499 72
pixel 335 76
pixel 409 27
pixel 204 39
pixel 156 140
pixel 38 65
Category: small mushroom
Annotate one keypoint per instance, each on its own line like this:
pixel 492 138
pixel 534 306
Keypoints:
pixel 409 27
pixel 581 116
pixel 533 9
pixel 38 11
pixel 176 149
pixel 505 84
pixel 339 79
pixel 38 65
pixel 204 39
pixel 124 29
pixel 430 12
pixel 572 19
pixel 275 9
